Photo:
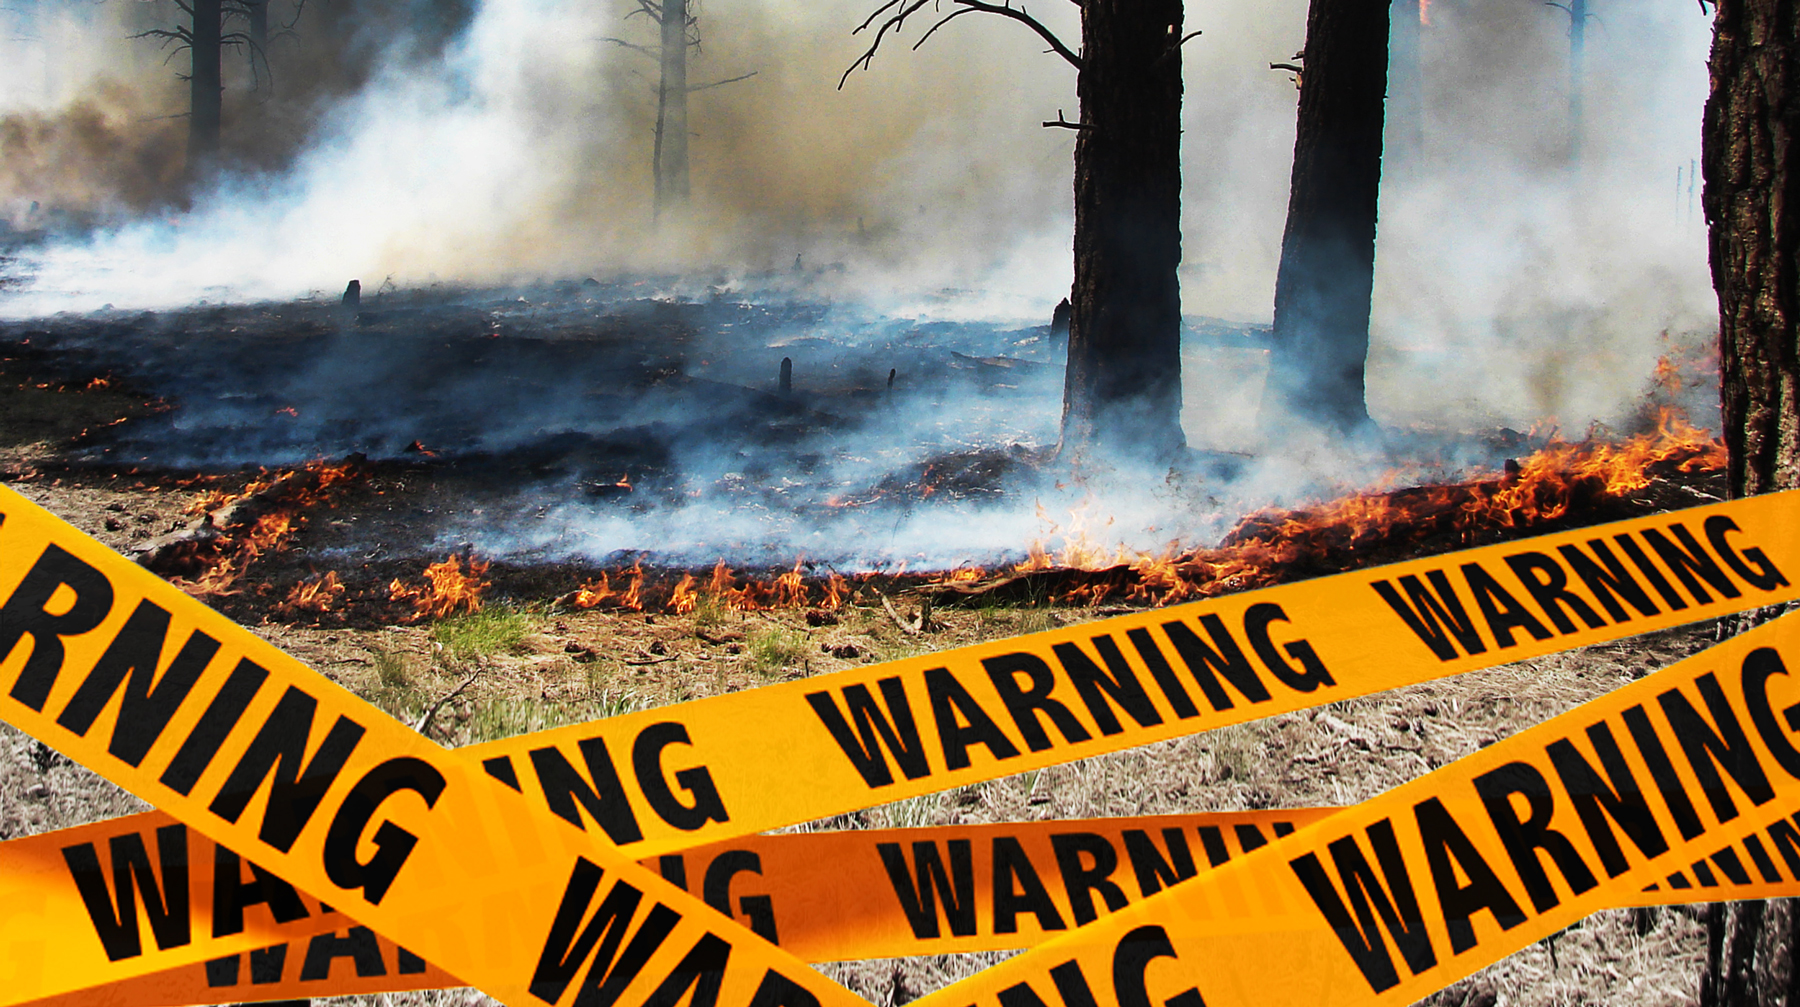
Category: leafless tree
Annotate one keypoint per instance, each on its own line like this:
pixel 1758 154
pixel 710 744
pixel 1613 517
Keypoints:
pixel 207 32
pixel 678 31
pixel 1122 392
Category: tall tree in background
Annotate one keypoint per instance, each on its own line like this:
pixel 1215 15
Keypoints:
pixel 1122 392
pixel 1578 19
pixel 1326 279
pixel 205 37
pixel 1750 151
pixel 678 31
pixel 206 83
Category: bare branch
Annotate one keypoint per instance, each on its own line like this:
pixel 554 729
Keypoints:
pixel 1006 9
pixel 646 50
pixel 894 23
pixel 903 9
pixel 1066 124
pixel 1175 47
pixel 1289 67
pixel 720 83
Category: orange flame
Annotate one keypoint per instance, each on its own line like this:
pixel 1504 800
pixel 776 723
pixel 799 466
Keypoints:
pixel 599 591
pixel 448 589
pixel 683 599
pixel 1544 487
pixel 226 559
pixel 315 595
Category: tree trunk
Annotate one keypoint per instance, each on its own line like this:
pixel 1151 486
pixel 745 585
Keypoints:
pixel 671 156
pixel 1752 202
pixel 258 13
pixel 1123 389
pixel 207 89
pixel 1578 17
pixel 1326 278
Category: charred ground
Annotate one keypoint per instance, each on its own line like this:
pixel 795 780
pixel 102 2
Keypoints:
pixel 171 435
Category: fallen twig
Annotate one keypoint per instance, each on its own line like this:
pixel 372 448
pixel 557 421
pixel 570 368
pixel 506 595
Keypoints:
pixel 425 720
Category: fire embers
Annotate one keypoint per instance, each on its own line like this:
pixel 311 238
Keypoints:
pixel 228 532
pixel 450 588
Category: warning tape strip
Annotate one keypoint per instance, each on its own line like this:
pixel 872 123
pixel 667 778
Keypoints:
pixel 267 758
pixel 1684 781
pixel 828 745
pixel 861 894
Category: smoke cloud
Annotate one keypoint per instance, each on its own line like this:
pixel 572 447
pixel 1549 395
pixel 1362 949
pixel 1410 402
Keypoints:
pixel 499 141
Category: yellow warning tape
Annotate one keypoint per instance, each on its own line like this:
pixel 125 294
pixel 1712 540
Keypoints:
pixel 718 768
pixel 878 893
pixel 240 742
pixel 1681 780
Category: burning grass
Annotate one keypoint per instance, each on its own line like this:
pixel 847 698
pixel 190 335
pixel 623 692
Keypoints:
pixel 450 587
pixel 1561 483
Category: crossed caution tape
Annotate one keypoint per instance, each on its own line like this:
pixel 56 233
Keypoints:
pixel 512 863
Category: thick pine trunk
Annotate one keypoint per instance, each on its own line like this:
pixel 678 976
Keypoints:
pixel 1123 390
pixel 671 157
pixel 1326 279
pixel 1752 201
pixel 207 89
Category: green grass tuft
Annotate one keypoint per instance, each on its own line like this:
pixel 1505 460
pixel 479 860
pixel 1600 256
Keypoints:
pixel 774 648
pixel 493 630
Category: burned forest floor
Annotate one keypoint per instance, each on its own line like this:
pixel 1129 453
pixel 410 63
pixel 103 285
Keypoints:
pixel 349 485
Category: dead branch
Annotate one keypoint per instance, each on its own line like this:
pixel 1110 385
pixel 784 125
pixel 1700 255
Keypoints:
pixel 1006 9
pixel 895 615
pixel 721 83
pixel 903 9
pixel 1289 67
pixel 1064 123
pixel 424 723
pixel 633 46
pixel 1175 46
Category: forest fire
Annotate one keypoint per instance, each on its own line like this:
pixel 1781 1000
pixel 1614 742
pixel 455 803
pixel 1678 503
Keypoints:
pixel 228 532
pixel 1559 481
pixel 449 588
pixel 786 590
pixel 317 594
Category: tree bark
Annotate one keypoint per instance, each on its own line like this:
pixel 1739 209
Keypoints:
pixel 1752 197
pixel 1123 387
pixel 1326 278
pixel 671 155
pixel 206 89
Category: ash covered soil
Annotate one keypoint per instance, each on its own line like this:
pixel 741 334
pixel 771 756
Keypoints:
pixel 121 423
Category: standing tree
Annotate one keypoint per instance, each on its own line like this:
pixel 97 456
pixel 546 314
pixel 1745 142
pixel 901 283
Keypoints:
pixel 1122 392
pixel 678 30
pixel 1326 279
pixel 1750 149
pixel 1578 19
pixel 1752 202
pixel 205 37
